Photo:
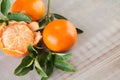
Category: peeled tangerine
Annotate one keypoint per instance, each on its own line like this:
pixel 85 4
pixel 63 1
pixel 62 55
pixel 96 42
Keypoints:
pixel 16 36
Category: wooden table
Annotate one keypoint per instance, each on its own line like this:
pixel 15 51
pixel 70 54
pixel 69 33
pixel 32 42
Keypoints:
pixel 97 51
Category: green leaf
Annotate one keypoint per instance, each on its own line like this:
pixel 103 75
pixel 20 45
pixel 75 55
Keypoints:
pixel 60 56
pixel 49 66
pixel 62 65
pixel 24 67
pixel 32 51
pixel 44 78
pixel 79 30
pixel 42 57
pixel 19 17
pixel 39 69
pixel 5 6
pixel 25 70
pixel 58 16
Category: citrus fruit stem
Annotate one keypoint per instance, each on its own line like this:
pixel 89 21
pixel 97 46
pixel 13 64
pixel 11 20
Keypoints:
pixel 48 10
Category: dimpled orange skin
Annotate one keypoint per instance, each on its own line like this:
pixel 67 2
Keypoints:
pixel 15 37
pixel 34 8
pixel 59 35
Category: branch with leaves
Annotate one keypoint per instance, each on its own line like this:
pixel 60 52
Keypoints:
pixel 43 62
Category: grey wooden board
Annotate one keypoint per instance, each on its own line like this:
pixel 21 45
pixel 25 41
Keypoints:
pixel 96 52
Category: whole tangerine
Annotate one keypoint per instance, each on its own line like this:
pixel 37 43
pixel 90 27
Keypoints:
pixel 34 8
pixel 59 35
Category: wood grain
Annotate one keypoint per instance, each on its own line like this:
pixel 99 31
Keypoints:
pixel 96 52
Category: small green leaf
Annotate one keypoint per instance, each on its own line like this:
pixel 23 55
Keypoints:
pixel 32 51
pixel 60 56
pixel 39 69
pixel 79 30
pixel 19 17
pixel 62 65
pixel 25 70
pixel 58 16
pixel 26 64
pixel 5 6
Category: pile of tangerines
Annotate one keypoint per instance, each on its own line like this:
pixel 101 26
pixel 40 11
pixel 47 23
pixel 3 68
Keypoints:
pixel 53 30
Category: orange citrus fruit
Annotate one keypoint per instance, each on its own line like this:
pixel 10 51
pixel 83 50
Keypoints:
pixel 15 37
pixel 34 8
pixel 59 35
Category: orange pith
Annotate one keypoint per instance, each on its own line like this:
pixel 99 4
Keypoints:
pixel 16 37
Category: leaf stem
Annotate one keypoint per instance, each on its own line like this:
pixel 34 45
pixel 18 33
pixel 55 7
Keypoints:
pixel 48 10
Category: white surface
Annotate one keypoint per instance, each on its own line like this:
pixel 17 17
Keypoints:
pixel 100 20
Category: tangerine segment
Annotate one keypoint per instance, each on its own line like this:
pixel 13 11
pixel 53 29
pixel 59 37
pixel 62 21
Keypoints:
pixel 1 44
pixel 2 28
pixel 34 26
pixel 14 53
pixel 59 35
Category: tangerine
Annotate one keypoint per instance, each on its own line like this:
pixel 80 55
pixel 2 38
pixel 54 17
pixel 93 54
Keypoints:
pixel 59 35
pixel 15 38
pixel 34 8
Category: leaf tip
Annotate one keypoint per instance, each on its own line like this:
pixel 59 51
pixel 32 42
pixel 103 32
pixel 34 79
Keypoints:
pixel 73 70
pixel 79 31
